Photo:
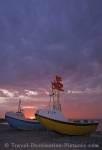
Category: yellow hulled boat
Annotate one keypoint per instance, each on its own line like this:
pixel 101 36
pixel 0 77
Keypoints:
pixel 54 120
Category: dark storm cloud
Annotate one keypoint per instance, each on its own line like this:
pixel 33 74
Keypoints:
pixel 41 38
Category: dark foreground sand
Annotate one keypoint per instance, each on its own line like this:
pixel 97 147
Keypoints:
pixel 11 139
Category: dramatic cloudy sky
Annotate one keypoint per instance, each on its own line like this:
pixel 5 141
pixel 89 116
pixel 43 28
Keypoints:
pixel 42 38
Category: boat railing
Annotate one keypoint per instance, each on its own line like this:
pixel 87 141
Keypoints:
pixel 81 121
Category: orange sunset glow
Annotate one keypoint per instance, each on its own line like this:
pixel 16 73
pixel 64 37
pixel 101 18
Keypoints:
pixel 29 113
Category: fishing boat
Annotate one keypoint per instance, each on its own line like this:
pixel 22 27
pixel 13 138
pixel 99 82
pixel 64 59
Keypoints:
pixel 17 120
pixel 53 118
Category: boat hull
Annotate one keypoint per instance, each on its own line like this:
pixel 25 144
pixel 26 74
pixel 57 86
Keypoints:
pixel 23 124
pixel 65 127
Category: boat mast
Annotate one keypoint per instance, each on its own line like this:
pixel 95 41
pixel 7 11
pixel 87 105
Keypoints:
pixel 57 86
pixel 19 106
pixel 58 100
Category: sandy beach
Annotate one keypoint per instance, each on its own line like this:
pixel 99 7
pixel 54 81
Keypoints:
pixel 12 139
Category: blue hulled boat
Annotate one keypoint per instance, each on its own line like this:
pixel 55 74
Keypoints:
pixel 17 120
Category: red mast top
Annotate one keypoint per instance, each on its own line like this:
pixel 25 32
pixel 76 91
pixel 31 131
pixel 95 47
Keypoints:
pixel 57 84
